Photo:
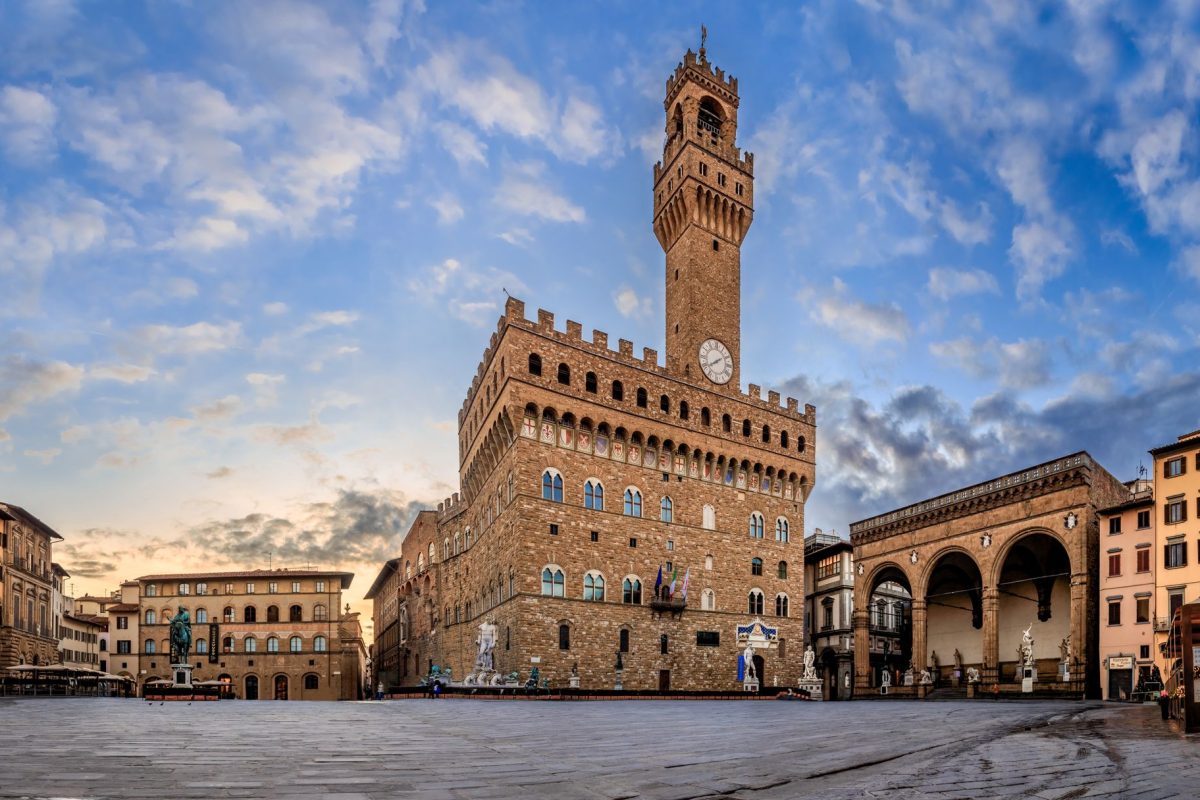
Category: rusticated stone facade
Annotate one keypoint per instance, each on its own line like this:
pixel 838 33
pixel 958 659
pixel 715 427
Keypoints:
pixel 988 561
pixel 28 629
pixel 697 477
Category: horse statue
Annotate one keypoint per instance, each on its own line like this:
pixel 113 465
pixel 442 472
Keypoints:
pixel 181 636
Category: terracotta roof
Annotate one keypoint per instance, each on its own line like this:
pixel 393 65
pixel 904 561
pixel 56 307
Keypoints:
pixel 88 619
pixel 124 607
pixel 344 577
pixel 391 566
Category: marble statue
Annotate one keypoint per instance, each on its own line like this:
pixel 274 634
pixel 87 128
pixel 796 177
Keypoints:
pixel 925 678
pixel 935 664
pixel 886 679
pixel 1064 650
pixel 1027 646
pixel 486 643
pixel 908 676
pixel 957 659
pixel 810 670
pixel 181 636
pixel 748 658
pixel 972 675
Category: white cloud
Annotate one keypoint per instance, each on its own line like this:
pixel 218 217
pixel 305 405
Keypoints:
pixel 1115 236
pixel 266 388
pixel 630 304
pixel 384 25
pixel 1041 254
pixel 448 209
pixel 275 309
pixel 518 237
pixel 860 323
pixel 524 191
pixel 218 410
pixel 464 146
pixel 945 283
pixel 582 133
pixel 199 337
pixel 27 120
pixel 122 373
pixel 1188 262
pixel 24 383
pixel 44 456
pixel 75 433
pixel 471 294
pixel 1022 364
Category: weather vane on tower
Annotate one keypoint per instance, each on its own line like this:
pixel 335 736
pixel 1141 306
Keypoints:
pixel 703 36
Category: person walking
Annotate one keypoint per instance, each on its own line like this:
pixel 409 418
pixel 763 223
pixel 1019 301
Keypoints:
pixel 1164 704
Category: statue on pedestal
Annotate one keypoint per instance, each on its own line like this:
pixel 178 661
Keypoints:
pixel 885 679
pixel 486 643
pixel 925 678
pixel 181 636
pixel 748 658
pixel 1064 650
pixel 972 675
pixel 810 670
pixel 1027 646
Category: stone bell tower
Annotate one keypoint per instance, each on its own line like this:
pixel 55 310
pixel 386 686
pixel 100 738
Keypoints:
pixel 703 206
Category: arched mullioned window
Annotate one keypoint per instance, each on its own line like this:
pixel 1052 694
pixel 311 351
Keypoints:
pixel 553 581
pixel 552 486
pixel 250 644
pixel 151 617
pixel 589 382
pixel 781 529
pixel 295 644
pixel 664 404
pixel 272 644
pixel 564 374
pixel 642 401
pixel 295 614
pixel 202 646
pixel 152 590
pixel 446 549
pixel 564 637
pixel 756 566
pixel 535 364
pixel 593 495
pixel 320 614
pixel 249 614
pixel 151 647
pixel 457 543
pixel 726 423
pixel 631 590
pixel 766 433
pixel 781 605
pixel 666 510
pixel 708 600
pixel 201 615
pixel 593 586
pixel 756 526
pixel 783 570
pixel 228 614
pixel 755 602
pixel 618 391
pixel 272 613
pixel 801 443
pixel 311 681
pixel 633 503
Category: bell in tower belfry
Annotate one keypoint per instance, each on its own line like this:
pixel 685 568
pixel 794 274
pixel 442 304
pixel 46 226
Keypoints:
pixel 703 206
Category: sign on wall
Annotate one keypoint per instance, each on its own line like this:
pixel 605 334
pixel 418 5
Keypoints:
pixel 213 638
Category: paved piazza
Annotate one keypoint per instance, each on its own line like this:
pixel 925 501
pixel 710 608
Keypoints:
pixel 89 748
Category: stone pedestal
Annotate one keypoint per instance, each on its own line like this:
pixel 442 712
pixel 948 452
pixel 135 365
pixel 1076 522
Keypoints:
pixel 574 681
pixel 1028 675
pixel 619 686
pixel 750 685
pixel 181 675
pixel 815 689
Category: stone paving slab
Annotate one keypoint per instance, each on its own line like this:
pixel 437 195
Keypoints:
pixel 112 748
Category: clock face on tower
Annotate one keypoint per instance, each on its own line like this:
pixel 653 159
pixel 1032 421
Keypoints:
pixel 716 361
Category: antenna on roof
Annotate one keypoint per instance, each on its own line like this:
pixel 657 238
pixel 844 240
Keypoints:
pixel 269 560
pixel 1141 470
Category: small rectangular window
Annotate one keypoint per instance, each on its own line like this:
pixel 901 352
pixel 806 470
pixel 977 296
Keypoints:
pixel 670 545
pixel 249 588
pixel 1143 609
pixel 595 536
pixel 553 529
pixel 320 586
pixel 1175 555
pixel 229 588
pixel 1143 560
pixel 738 189
pixel 720 179
pixel 1114 525
pixel 1175 467
pixel 1143 520
pixel 1114 612
pixel 1144 651
pixel 632 542
pixel 1114 564
pixel 708 638
pixel 295 587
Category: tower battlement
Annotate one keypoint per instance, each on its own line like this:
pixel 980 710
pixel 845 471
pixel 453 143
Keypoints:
pixel 697 67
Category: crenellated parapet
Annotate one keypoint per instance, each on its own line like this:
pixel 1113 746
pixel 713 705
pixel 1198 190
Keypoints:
pixel 696 66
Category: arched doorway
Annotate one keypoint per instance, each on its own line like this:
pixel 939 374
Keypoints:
pixel 1034 593
pixel 251 687
pixel 758 670
pixel 889 622
pixel 281 687
pixel 953 617
pixel 829 673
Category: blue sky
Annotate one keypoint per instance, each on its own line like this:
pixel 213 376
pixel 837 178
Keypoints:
pixel 251 253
